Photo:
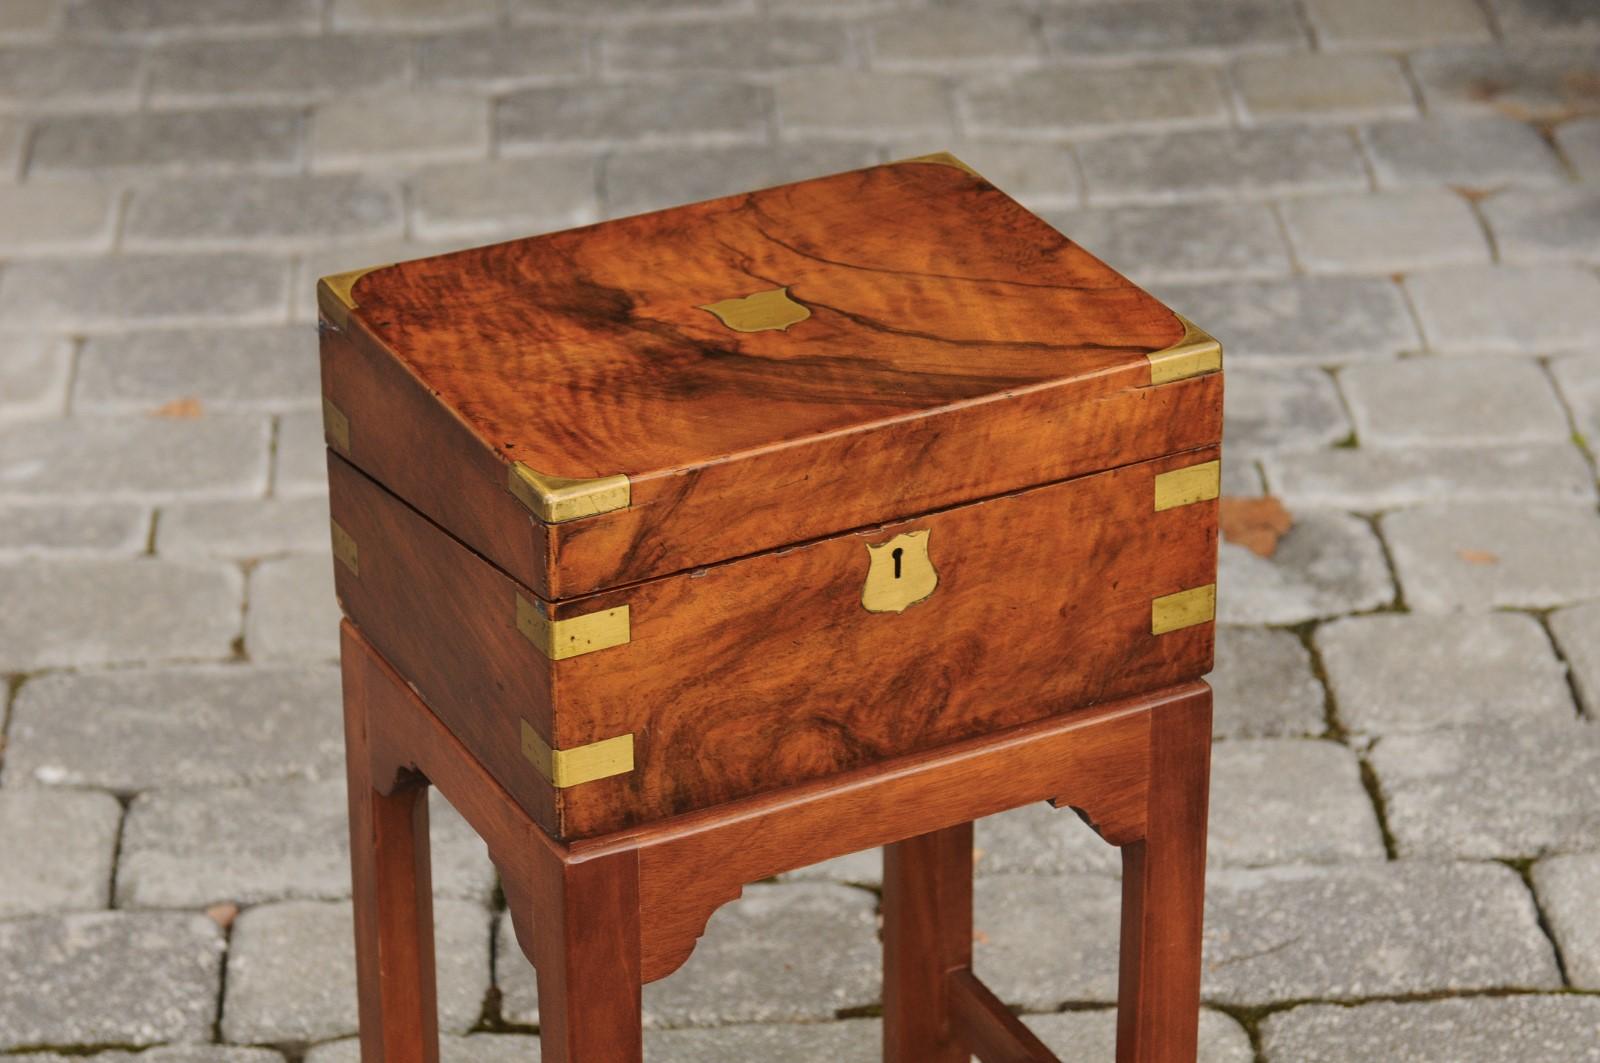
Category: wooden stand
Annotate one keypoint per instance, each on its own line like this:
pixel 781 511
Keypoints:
pixel 615 912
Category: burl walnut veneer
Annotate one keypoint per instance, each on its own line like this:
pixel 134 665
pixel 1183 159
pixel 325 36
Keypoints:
pixel 693 547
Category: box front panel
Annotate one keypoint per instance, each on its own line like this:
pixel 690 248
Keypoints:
pixel 789 666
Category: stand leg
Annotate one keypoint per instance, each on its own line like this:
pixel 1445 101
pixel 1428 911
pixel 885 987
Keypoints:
pixel 927 934
pixel 1163 894
pixel 586 955
pixel 393 894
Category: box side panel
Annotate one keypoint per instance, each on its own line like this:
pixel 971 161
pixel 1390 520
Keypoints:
pixel 389 425
pixel 446 621
pixel 769 671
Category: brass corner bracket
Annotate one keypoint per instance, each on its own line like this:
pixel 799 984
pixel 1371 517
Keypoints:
pixel 943 158
pixel 580 764
pixel 1172 612
pixel 1188 485
pixel 1194 355
pixel 345 549
pixel 342 286
pixel 554 499
pixel 576 635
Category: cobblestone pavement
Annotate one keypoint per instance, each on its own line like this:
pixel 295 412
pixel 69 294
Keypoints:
pixel 1389 210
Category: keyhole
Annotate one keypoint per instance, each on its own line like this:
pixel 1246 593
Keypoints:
pixel 899 552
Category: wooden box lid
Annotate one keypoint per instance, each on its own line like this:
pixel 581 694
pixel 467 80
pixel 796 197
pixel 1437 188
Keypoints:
pixel 662 392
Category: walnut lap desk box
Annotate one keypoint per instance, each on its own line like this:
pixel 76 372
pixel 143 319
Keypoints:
pixel 690 548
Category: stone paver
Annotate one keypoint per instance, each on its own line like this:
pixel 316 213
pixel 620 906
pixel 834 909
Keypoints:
pixel 749 46
pixel 1327 564
pixel 246 845
pixel 1281 408
pixel 1577 633
pixel 535 194
pixel 1263 685
pixel 1041 840
pixel 71 218
pixel 504 58
pixel 285 70
pixel 1259 812
pixel 108 978
pixel 399 129
pixel 1480 1030
pixel 98 295
pixel 45 529
pixel 1376 24
pixel 1546 224
pixel 135 458
pixel 1041 941
pixel 93 612
pixel 158 19
pixel 1532 309
pixel 1160 96
pixel 1580 143
pixel 1453 402
pixel 1368 479
pixel 300 463
pixel 1478 556
pixel 744 968
pixel 1545 795
pixel 152 144
pixel 1521 79
pixel 1367 930
pixel 1221 163
pixel 1194 241
pixel 965 36
pixel 711 112
pixel 129 731
pixel 1092 1034
pixel 1569 892
pixel 1401 673
pixel 268 368
pixel 1392 232
pixel 1547 19
pixel 286 213
pixel 69 76
pixel 291 971
pixel 246 529
pixel 1577 377
pixel 34 371
pixel 1326 87
pixel 476 1048
pixel 59 850
pixel 293 612
pixel 1468 152
pixel 1322 320
pixel 1159 28
pixel 197 1053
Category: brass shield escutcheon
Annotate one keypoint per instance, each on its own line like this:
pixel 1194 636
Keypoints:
pixel 759 312
pixel 899 573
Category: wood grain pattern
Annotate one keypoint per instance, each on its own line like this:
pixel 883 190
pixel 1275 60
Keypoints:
pixel 927 935
pixel 393 894
pixel 766 672
pixel 1163 896
pixel 957 347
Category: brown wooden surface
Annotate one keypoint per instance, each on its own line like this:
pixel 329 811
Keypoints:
pixel 927 935
pixel 988 1028
pixel 957 347
pixel 393 894
pixel 767 672
pixel 616 912
pixel 1163 895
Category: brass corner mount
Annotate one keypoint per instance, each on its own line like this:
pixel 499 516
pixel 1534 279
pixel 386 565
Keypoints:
pixel 943 158
pixel 1194 355
pixel 556 499
pixel 342 286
